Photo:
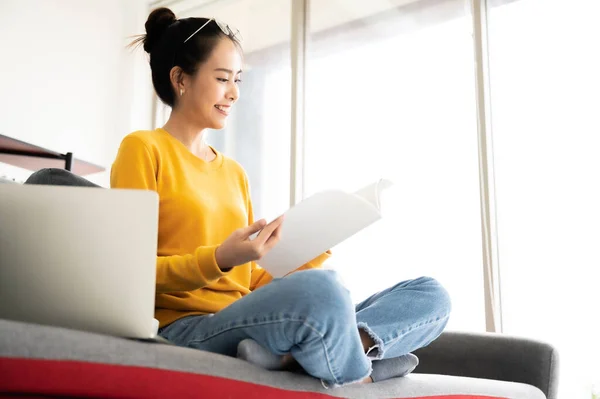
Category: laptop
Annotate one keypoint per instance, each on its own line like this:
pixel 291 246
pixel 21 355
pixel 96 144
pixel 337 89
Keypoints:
pixel 79 257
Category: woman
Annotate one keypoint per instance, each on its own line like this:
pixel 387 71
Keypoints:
pixel 207 288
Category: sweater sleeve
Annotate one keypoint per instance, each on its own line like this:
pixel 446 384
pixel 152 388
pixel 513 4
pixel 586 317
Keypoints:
pixel 136 167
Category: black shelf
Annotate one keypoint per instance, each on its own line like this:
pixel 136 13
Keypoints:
pixel 31 157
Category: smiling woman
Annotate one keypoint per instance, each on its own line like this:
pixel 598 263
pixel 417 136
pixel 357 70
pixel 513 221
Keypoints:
pixel 211 294
pixel 194 71
pixel 206 97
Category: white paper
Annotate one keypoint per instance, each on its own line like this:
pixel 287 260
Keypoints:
pixel 319 223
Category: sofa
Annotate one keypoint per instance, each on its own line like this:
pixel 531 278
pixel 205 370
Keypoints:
pixel 53 362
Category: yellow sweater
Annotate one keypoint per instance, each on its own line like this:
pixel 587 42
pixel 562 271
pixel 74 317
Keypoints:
pixel 201 204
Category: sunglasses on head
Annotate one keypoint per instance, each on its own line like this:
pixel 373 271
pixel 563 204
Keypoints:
pixel 227 31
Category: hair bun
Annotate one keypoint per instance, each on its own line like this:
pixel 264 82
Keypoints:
pixel 156 25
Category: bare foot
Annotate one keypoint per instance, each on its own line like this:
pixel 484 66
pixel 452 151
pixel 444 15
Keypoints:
pixel 366 340
pixel 367 380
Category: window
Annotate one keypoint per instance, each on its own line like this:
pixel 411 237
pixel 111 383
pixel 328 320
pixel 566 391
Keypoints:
pixel 545 85
pixel 390 93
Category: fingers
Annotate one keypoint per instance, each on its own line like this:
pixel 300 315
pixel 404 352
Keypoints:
pixel 253 228
pixel 269 229
pixel 274 238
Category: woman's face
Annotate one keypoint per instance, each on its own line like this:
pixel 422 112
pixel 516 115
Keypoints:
pixel 210 94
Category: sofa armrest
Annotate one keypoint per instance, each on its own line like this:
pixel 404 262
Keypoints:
pixel 492 356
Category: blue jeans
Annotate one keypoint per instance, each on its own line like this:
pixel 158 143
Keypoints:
pixel 310 315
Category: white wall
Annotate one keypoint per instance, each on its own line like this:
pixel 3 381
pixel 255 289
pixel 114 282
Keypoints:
pixel 67 80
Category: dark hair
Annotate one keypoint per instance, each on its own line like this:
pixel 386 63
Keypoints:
pixel 164 41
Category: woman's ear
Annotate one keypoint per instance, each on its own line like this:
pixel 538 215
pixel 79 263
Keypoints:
pixel 178 81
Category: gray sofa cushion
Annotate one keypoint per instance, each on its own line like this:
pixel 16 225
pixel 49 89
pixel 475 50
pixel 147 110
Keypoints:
pixel 23 340
pixel 493 356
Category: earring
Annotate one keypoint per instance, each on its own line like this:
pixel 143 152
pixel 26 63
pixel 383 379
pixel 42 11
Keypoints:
pixel 180 92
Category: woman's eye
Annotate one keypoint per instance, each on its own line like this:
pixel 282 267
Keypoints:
pixel 238 81
pixel 223 80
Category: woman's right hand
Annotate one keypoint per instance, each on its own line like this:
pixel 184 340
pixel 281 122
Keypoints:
pixel 239 249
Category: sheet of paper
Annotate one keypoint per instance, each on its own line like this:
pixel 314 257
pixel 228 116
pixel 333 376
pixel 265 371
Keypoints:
pixel 319 223
pixel 372 192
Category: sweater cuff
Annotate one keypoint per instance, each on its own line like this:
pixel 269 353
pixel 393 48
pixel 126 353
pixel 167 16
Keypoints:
pixel 316 263
pixel 319 260
pixel 207 264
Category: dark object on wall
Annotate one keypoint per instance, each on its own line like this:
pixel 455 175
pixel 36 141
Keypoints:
pixel 28 156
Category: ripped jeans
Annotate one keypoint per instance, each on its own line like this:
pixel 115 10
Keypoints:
pixel 310 315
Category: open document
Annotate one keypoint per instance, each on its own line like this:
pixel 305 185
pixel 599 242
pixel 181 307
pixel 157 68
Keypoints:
pixel 319 223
